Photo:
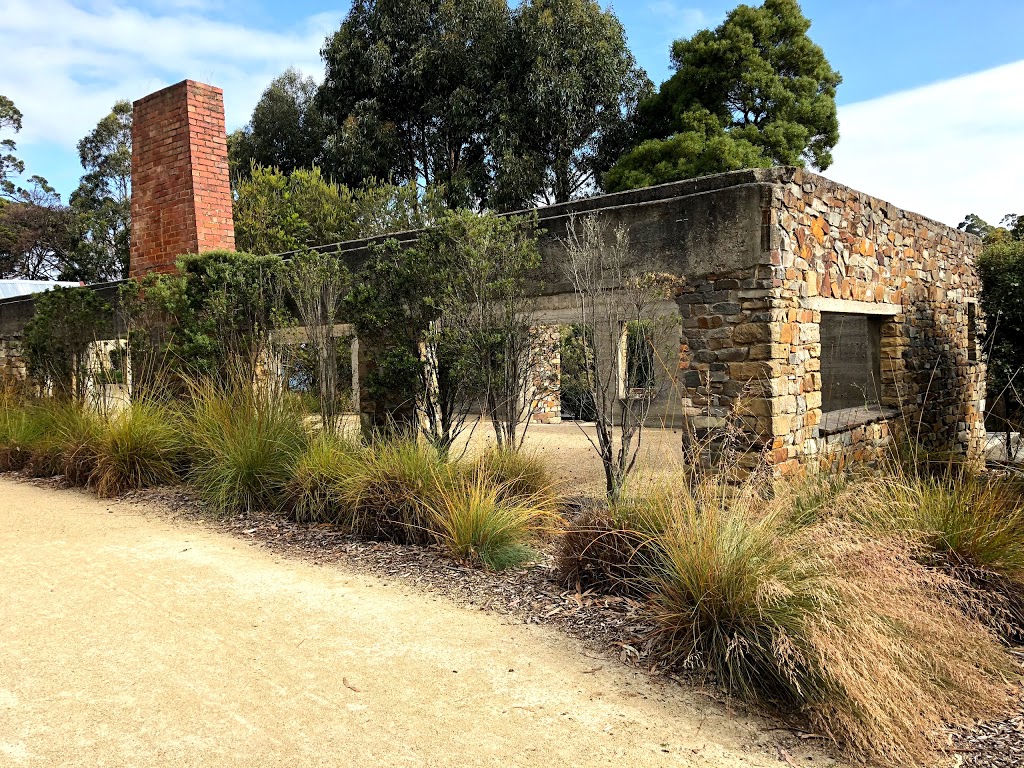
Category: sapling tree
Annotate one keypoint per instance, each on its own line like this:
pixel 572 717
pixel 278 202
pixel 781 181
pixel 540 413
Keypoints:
pixel 318 284
pixel 488 305
pixel 617 304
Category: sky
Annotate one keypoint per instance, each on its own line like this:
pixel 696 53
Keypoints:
pixel 931 107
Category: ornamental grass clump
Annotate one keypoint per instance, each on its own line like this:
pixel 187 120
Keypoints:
pixel 971 527
pixel 519 474
pixel 73 443
pixel 318 490
pixel 22 428
pixel 614 547
pixel 244 445
pixel 392 489
pixel 482 522
pixel 138 447
pixel 828 619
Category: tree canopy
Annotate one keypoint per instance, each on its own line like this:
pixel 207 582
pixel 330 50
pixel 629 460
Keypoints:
pixel 407 89
pixel 755 91
pixel 102 201
pixel 494 108
pixel 41 237
pixel 1011 227
pixel 10 165
pixel 286 130
pixel 566 102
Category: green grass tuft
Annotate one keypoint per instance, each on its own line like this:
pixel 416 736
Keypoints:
pixel 244 446
pixel 139 447
pixel 393 488
pixel 319 488
pixel 479 522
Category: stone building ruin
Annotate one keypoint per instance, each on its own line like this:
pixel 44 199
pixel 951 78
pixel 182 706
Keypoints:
pixel 814 321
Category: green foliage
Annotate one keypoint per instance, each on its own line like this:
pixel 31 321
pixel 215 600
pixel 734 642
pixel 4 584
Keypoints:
pixel 319 489
pixel 286 130
pixel 102 201
pixel 244 445
pixel 88 240
pixel 277 212
pixel 479 522
pixel 139 447
pixel 56 339
pixel 211 319
pixel 700 148
pixel 755 91
pixel 567 101
pixel 1001 268
pixel 457 291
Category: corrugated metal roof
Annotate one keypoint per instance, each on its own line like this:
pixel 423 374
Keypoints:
pixel 11 288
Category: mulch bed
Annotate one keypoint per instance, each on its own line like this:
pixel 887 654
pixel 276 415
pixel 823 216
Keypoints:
pixel 614 628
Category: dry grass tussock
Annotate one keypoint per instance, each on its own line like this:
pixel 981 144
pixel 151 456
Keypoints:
pixel 968 526
pixel 788 600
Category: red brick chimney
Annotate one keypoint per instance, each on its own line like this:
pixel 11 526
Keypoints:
pixel 181 191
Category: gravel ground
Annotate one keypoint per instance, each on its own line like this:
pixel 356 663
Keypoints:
pixel 613 629
pixel 131 637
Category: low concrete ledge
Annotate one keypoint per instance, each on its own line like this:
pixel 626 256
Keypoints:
pixel 846 419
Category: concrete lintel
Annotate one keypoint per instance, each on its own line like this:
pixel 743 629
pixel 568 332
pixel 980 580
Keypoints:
pixel 849 307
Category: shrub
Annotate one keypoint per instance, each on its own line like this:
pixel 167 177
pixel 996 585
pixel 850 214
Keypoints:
pixel 245 444
pixel 392 490
pixel 477 521
pixel 139 447
pixel 318 489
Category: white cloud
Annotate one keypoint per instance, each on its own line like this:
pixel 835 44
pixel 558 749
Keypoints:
pixel 942 150
pixel 675 21
pixel 76 60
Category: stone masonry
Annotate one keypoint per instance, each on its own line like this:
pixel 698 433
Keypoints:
pixel 181 192
pixel 752 334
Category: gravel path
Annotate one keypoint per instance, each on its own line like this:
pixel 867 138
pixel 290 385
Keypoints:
pixel 129 639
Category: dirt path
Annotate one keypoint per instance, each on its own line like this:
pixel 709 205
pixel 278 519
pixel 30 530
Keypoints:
pixel 130 640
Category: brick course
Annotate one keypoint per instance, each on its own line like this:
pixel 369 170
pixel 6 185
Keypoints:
pixel 181 191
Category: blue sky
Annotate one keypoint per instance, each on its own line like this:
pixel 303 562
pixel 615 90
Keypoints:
pixel 931 108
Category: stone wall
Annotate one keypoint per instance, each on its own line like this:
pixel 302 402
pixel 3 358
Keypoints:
pixel 12 362
pixel 837 249
pixel 546 373
pixel 751 335
pixel 181 192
